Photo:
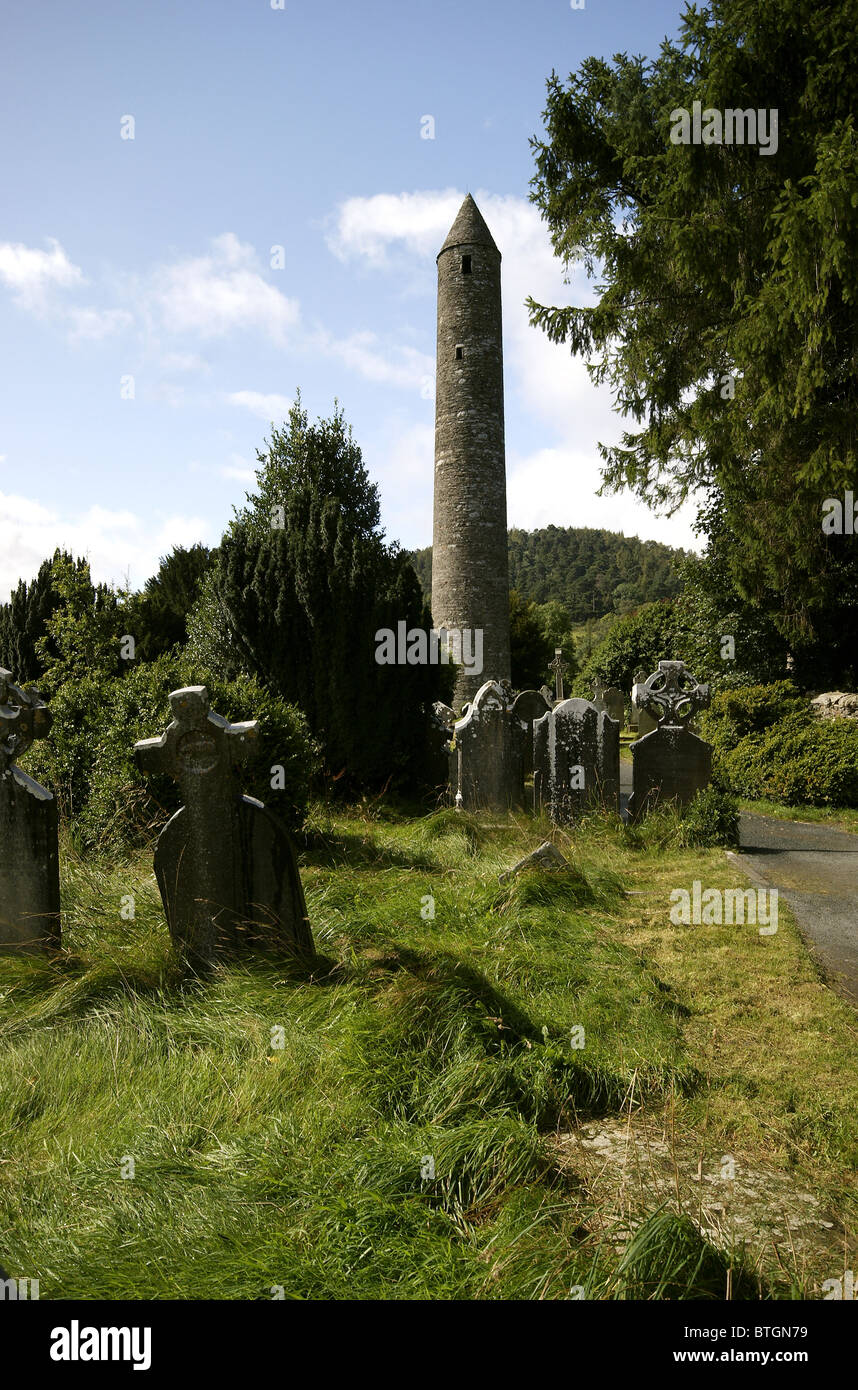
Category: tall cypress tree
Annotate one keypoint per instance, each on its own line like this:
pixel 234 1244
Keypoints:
pixel 306 580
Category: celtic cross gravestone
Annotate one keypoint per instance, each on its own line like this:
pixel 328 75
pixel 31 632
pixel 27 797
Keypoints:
pixel 225 866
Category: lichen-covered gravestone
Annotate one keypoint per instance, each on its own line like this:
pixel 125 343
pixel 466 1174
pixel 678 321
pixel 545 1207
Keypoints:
pixel 488 768
pixel 526 707
pixel 671 763
pixel 576 760
pixel 225 866
pixel 29 856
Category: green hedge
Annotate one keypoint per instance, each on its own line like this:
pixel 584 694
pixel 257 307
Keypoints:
pixel 88 760
pixel 736 714
pixel 799 761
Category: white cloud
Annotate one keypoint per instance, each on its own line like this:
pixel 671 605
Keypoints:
pixel 96 323
pixel 30 273
pixel 183 362
pixel 117 543
pixel 552 484
pixel 367 227
pixel 267 407
pixel 239 469
pixel 217 294
pixel 366 354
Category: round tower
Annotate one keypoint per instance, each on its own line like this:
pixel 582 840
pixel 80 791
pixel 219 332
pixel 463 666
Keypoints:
pixel 470 570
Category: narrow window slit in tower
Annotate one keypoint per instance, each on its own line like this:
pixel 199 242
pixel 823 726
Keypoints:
pixel 466 265
pixel 460 352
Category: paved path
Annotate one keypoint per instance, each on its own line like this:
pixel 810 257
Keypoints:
pixel 815 869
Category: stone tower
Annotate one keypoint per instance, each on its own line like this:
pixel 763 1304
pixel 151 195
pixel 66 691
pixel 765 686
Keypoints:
pixel 470 571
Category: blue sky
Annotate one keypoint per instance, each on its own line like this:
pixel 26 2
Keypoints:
pixel 151 258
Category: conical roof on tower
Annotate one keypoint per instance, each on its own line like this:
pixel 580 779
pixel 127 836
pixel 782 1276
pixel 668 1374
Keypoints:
pixel 469 227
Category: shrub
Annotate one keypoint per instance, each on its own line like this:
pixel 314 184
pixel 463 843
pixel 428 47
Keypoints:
pixel 734 714
pixel 799 760
pixel 711 818
pixel 88 760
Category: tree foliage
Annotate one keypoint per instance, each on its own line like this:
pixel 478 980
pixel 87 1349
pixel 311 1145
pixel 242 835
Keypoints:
pixel 725 322
pixel 302 584
pixel 590 572
pixel 24 619
pixel 158 616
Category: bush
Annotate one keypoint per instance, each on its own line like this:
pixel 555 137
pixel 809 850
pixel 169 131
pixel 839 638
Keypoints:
pixel 799 761
pixel 735 714
pixel 88 760
pixel 712 818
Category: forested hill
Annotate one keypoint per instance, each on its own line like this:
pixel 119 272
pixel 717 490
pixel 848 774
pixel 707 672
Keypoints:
pixel 590 572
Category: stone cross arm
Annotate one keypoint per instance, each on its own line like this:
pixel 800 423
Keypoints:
pixel 197 741
pixel 24 717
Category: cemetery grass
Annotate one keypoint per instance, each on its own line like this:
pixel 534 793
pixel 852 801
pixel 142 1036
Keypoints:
pixel 274 1124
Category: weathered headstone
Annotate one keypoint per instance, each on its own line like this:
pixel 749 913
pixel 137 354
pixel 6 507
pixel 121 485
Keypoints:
pixel 488 754
pixel 527 706
pixel 225 866
pixel 29 854
pixel 548 695
pixel 598 695
pixel 576 760
pixel 615 704
pixel 670 763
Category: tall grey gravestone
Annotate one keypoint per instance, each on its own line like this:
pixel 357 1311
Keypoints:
pixel 29 855
pixel 225 866
pixel 615 704
pixel 526 707
pixel 488 767
pixel 671 763
pixel 576 760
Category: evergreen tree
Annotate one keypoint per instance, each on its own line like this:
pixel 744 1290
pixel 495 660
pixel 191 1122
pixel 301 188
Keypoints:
pixel 303 583
pixel 725 322
pixel 84 632
pixel 529 649
pixel 25 619
pixel 158 616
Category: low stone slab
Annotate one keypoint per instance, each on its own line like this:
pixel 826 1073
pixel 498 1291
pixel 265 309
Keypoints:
pixel 547 856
